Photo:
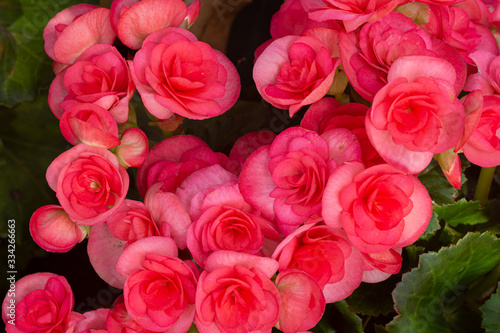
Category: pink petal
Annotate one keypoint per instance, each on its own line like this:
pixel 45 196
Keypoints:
pixel 165 207
pixel 201 180
pixel 344 146
pixel 147 16
pixel 103 251
pixel 134 147
pixel 406 160
pixel 65 17
pixel 91 28
pixel 353 276
pixel 411 67
pixel 223 258
pixel 133 256
pixel 57 93
pixel 256 183
pixel 342 176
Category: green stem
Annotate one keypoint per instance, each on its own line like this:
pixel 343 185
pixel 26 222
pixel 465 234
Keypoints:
pixel 484 184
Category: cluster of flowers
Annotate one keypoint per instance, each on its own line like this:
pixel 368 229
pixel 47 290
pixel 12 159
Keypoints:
pixel 327 204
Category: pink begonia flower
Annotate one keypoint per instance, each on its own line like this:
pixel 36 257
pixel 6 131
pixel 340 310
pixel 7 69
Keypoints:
pixel 133 148
pixel 294 71
pixel 118 319
pixel 107 240
pixel 94 322
pixel 488 77
pixel 380 266
pixel 327 114
pixel 416 114
pixel 74 29
pixel 285 180
pixel 235 294
pixel 452 25
pixel 483 146
pixel 367 55
pixel 247 144
pixel 302 301
pixel 100 76
pixel 353 14
pixel 160 288
pixel 53 230
pixel 133 222
pixel 379 208
pixel 59 22
pixel 42 303
pixel 162 214
pixel 134 20
pixel 325 254
pixel 89 183
pixel 173 159
pixel 177 74
pixel 90 124
pixel 226 222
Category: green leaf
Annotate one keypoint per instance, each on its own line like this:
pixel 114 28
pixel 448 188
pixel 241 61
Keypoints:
pixel 462 212
pixel 10 10
pixel 23 42
pixel 31 140
pixel 338 318
pixel 432 227
pixel 373 299
pixel 491 313
pixel 429 296
pixel 438 186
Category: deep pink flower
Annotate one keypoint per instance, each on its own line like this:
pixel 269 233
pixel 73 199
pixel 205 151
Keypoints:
pixel 483 146
pixel 53 230
pixel 416 114
pixel 100 76
pixel 223 220
pixel 177 74
pixel 235 294
pixel 325 254
pixel 162 214
pixel 286 179
pixel 160 288
pixel 327 114
pixel 294 71
pixel 368 54
pixel 134 20
pixel 42 303
pixel 173 159
pixel 74 29
pixel 352 14
pixel 133 222
pixel 90 124
pixel 302 300
pixel 89 183
pixel 452 25
pixel 379 208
